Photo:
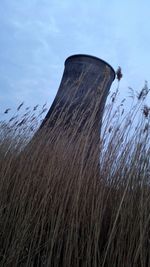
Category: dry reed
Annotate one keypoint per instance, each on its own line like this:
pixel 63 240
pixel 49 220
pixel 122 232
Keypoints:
pixel 55 210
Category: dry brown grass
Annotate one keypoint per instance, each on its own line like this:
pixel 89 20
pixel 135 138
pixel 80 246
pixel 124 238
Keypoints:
pixel 54 208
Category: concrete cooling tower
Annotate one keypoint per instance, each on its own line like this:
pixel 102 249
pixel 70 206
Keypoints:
pixel 75 116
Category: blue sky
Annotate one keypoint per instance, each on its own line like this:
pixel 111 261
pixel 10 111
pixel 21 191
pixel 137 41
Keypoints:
pixel 36 36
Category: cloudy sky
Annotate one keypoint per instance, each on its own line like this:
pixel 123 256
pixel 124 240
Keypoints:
pixel 36 36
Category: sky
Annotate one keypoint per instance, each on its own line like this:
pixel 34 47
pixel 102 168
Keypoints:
pixel 36 36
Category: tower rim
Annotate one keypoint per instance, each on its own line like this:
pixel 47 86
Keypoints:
pixel 89 59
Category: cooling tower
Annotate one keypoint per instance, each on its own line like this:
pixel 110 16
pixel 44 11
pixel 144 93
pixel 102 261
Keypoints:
pixel 75 116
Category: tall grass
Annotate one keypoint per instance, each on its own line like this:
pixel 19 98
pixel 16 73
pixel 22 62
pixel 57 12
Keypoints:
pixel 55 210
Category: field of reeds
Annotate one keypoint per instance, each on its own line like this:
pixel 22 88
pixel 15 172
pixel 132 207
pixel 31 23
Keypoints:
pixel 55 210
